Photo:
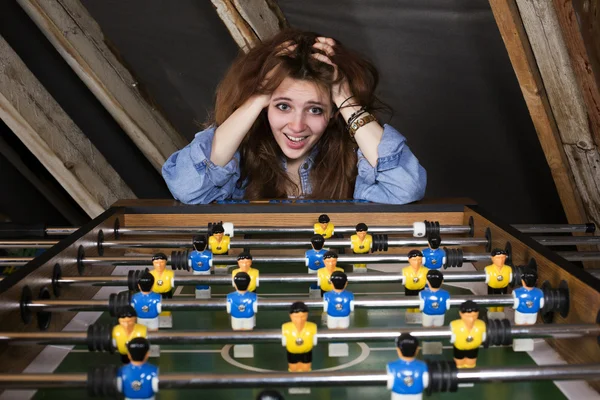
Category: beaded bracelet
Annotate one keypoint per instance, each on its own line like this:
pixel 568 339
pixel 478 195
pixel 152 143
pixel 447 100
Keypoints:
pixel 359 123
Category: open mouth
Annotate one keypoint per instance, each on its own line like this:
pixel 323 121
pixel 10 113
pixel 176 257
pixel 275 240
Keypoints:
pixel 296 139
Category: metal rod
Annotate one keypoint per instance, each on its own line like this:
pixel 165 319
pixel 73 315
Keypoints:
pixel 265 304
pixel 27 244
pixel 444 229
pixel 190 280
pixel 311 379
pixel 554 228
pixel 579 255
pixel 285 243
pixel 560 331
pixel 566 240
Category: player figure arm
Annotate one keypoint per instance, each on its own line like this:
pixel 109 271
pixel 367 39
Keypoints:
pixel 425 380
pixel 390 379
pixel 516 300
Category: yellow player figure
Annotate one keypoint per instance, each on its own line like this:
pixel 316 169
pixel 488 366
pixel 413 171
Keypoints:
pixel 244 261
pixel 218 242
pixel 324 227
pixel 415 276
pixel 299 337
pixel 468 333
pixel 164 280
pixel 498 276
pixel 324 274
pixel 361 243
pixel 127 329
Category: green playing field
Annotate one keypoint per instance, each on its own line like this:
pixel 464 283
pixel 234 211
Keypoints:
pixel 271 357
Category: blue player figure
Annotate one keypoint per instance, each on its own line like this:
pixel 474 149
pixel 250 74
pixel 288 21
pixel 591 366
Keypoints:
pixel 407 377
pixel 434 300
pixel 146 303
pixel 314 261
pixel 138 380
pixel 528 299
pixel 242 304
pixel 200 260
pixel 338 303
pixel 433 256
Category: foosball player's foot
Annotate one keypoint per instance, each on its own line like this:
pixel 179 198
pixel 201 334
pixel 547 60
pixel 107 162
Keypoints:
pixel 165 321
pixel 496 315
pixel 154 350
pixel 221 269
pixel 203 293
pixel 359 269
pixel 243 351
pixel 298 391
pixel 432 348
pixel 314 293
pixel 339 350
pixel 414 317
pixel 520 345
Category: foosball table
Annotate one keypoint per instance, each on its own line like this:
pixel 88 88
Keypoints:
pixel 59 310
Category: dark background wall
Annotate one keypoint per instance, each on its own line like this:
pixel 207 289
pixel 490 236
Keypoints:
pixel 444 71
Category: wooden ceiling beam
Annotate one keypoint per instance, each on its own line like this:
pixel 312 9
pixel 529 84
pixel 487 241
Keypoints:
pixel 250 21
pixel 80 41
pixel 519 48
pixel 48 132
pixel 583 60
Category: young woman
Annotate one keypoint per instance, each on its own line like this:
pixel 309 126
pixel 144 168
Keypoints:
pixel 293 118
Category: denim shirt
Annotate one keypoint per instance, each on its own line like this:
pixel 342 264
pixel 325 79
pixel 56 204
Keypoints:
pixel 398 177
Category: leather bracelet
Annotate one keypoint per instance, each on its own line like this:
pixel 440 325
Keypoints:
pixel 356 114
pixel 359 123
pixel 344 102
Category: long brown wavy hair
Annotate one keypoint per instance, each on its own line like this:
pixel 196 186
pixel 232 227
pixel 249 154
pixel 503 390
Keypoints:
pixel 334 172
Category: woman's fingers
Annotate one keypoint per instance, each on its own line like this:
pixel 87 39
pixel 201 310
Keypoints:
pixel 325 48
pixel 323 58
pixel 326 40
pixel 286 48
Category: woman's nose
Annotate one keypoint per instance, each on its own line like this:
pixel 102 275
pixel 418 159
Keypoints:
pixel 297 124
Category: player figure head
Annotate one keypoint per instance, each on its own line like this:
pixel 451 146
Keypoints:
pixel 330 260
pixel 324 221
pixel 407 346
pixel 269 395
pixel 361 230
pixel 498 257
pixel 241 281
pixel 434 279
pixel 127 318
pixel 415 259
pixel 159 261
pixel 199 242
pixel 217 232
pixel 469 313
pixel 244 261
pixel 138 350
pixel 339 280
pixel 299 314
pixel 529 278
pixel 434 242
pixel 317 242
pixel 145 282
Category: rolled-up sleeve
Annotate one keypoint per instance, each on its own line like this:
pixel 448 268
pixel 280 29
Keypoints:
pixel 193 179
pixel 398 178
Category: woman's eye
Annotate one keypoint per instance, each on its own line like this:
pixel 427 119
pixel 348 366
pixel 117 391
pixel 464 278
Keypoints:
pixel 316 110
pixel 283 106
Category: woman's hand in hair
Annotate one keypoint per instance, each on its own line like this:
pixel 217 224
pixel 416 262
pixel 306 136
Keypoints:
pixel 341 90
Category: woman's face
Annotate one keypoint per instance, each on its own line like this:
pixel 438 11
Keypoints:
pixel 298 114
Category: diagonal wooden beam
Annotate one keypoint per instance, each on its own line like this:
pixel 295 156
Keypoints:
pixel 583 60
pixel 48 132
pixel 524 64
pixel 250 21
pixel 79 40
pixel 566 100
